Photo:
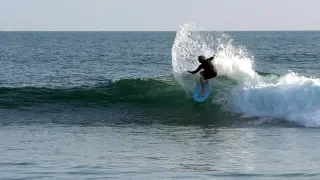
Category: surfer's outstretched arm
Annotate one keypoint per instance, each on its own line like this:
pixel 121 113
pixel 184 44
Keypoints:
pixel 197 70
pixel 210 59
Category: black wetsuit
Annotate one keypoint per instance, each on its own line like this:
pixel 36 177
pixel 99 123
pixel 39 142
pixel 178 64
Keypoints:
pixel 209 69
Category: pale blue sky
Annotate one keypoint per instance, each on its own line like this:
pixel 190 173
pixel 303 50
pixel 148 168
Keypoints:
pixel 158 15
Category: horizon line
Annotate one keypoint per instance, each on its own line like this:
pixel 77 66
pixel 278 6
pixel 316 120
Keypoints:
pixel 275 30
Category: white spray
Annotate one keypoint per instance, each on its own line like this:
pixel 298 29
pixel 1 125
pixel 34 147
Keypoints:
pixel 290 97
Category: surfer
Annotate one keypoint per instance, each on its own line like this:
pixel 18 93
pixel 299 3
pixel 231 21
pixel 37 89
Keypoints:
pixel 208 72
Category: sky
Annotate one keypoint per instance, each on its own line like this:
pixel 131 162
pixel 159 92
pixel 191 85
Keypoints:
pixel 158 15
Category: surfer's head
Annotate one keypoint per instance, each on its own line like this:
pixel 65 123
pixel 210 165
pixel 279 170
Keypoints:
pixel 201 58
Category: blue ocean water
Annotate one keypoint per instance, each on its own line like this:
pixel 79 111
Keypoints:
pixel 102 105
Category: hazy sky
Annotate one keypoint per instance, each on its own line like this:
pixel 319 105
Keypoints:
pixel 158 15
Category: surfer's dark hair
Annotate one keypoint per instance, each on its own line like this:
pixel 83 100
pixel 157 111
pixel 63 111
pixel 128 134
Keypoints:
pixel 201 58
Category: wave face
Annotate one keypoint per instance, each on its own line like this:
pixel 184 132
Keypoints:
pixel 290 97
pixel 139 91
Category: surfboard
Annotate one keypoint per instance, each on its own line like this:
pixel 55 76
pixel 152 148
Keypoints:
pixel 200 98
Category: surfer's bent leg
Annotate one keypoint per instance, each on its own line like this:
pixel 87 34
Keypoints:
pixel 202 81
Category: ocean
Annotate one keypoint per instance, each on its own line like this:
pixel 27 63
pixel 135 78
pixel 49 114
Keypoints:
pixel 118 105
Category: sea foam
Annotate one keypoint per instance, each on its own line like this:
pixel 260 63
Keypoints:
pixel 290 97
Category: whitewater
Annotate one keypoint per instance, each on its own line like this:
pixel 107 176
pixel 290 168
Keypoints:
pixel 289 97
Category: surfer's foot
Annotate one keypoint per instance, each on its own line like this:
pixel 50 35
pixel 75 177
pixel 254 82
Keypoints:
pixel 202 92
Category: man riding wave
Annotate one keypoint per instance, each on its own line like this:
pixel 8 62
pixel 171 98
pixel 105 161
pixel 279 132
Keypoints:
pixel 208 72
